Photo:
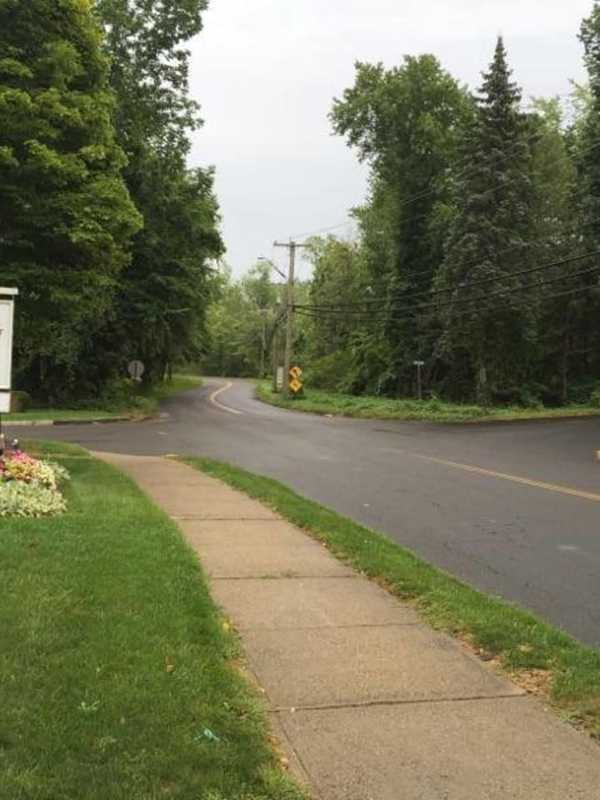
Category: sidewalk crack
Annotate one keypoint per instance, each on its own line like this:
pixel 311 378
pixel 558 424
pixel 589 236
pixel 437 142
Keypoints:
pixel 387 703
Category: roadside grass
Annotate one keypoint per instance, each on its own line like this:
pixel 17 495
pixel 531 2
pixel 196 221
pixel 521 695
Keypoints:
pixel 315 401
pixel 63 415
pixel 536 655
pixel 56 451
pixel 142 402
pixel 117 679
pixel 177 385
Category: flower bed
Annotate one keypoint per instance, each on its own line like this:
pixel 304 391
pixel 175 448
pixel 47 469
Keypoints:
pixel 30 487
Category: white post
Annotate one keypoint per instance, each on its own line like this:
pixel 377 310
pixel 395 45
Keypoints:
pixel 7 316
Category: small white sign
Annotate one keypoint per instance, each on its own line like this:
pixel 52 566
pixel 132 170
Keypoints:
pixel 136 370
pixel 6 343
pixel 4 402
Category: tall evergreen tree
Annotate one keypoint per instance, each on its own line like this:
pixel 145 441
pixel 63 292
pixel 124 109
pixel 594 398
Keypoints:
pixel 488 338
pixel 65 214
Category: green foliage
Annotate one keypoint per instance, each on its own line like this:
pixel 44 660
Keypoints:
pixel 243 320
pixel 164 291
pixel 407 123
pixel 146 40
pixel 465 194
pixel 66 218
pixel 332 372
pixel 18 499
pixel 493 200
pixel 30 487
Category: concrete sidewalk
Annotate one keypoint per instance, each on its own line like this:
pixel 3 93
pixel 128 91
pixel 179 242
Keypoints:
pixel 369 702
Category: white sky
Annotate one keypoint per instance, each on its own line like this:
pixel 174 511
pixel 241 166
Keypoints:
pixel 266 71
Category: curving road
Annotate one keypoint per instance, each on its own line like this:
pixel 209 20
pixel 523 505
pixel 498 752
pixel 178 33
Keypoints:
pixel 513 509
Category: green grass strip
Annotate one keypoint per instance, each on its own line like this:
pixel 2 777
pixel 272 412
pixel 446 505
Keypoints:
pixel 314 401
pixel 518 639
pixel 142 403
pixel 116 673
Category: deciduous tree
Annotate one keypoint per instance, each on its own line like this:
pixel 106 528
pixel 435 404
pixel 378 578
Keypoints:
pixel 66 218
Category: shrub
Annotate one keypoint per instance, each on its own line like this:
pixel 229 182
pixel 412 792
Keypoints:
pixel 30 487
pixel 20 401
pixel 19 499
pixel 330 373
pixel 21 467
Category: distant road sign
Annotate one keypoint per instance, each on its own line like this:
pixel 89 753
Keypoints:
pixel 136 370
pixel 295 385
pixel 419 363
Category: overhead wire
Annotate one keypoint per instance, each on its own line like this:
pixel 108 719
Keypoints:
pixel 457 302
pixel 462 286
pixel 495 309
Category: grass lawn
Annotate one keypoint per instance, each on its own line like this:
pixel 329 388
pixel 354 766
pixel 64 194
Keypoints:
pixel 537 655
pixel 145 402
pixel 116 672
pixel 318 402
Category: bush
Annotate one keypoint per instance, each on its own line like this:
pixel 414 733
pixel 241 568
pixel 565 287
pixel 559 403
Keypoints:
pixel 20 401
pixel 30 487
pixel 330 373
pixel 595 398
pixel 20 499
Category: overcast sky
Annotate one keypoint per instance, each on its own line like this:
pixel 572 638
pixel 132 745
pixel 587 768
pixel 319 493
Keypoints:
pixel 265 72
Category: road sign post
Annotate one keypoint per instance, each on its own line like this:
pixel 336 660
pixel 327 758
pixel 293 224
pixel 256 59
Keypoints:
pixel 7 316
pixel 419 365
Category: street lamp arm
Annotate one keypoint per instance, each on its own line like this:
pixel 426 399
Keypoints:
pixel 273 266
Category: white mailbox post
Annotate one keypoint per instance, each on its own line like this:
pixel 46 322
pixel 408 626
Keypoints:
pixel 7 317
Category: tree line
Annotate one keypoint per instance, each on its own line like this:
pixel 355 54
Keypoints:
pixel 107 233
pixel 479 247
pixel 479 243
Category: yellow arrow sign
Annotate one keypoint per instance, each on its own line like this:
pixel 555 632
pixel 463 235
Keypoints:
pixel 296 373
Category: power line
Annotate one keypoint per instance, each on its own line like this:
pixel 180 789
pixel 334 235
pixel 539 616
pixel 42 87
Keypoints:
pixel 524 245
pixel 324 230
pixel 385 312
pixel 464 286
pixel 495 309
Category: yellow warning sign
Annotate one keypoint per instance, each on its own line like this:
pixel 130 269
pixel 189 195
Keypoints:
pixel 295 385
pixel 296 373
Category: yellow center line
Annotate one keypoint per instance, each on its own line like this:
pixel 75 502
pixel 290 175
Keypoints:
pixel 548 487
pixel 215 402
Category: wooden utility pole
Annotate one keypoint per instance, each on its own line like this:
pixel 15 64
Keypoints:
pixel 289 331
pixel 275 360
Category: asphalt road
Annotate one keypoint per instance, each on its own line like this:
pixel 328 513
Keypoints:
pixel 513 509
